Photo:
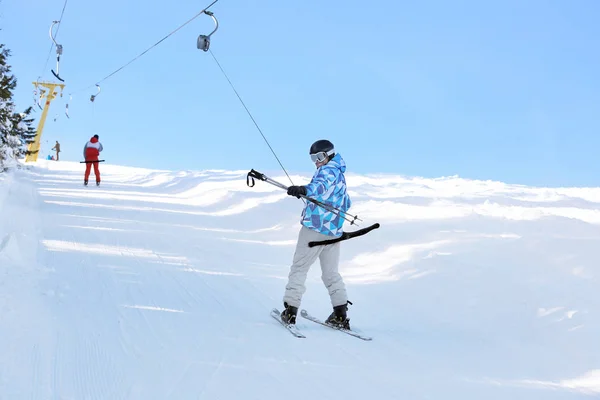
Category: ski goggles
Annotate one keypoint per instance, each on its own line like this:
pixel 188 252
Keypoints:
pixel 321 156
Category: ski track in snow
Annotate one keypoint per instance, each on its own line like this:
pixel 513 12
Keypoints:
pixel 159 284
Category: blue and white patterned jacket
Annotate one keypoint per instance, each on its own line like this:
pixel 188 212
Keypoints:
pixel 328 185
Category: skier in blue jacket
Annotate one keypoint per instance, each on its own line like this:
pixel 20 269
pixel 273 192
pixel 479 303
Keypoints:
pixel 328 185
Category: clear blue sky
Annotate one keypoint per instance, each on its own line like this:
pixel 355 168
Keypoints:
pixel 489 90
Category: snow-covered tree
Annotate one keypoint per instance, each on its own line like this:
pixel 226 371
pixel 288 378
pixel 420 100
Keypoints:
pixel 16 129
pixel 8 83
pixel 23 129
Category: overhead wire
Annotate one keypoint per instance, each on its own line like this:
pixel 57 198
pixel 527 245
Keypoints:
pixel 249 113
pixel 212 54
pixel 149 48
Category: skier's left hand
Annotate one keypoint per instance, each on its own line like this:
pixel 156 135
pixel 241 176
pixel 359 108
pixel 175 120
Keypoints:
pixel 296 191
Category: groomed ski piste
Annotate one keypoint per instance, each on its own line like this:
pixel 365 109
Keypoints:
pixel 159 285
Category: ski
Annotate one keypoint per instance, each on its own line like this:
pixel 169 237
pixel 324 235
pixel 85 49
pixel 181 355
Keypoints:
pixel 309 317
pixel 293 329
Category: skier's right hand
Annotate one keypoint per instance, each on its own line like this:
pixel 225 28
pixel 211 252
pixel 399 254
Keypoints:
pixel 296 191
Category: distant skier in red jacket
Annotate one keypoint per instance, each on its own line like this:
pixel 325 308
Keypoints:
pixel 91 152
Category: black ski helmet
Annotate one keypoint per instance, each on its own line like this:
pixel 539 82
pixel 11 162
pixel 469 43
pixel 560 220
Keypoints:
pixel 321 146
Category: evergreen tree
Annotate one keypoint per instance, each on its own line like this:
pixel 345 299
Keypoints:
pixel 8 82
pixel 24 130
pixel 16 129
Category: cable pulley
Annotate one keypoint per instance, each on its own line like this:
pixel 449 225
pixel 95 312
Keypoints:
pixel 39 102
pixel 204 40
pixel 93 97
pixel 35 98
pixel 67 108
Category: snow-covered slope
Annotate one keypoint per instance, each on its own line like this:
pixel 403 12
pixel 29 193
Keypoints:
pixel 158 285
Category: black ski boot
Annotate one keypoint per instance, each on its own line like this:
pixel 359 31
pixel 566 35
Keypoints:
pixel 338 317
pixel 288 315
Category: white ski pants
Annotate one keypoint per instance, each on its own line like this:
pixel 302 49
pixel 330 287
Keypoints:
pixel 304 257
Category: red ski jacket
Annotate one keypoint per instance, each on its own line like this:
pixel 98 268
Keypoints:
pixel 92 149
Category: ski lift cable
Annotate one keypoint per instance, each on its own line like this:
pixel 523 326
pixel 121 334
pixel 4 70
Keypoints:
pixel 249 113
pixel 61 17
pixel 149 48
pixel 55 35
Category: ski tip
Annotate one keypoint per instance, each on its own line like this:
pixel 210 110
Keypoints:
pixel 291 328
pixel 350 332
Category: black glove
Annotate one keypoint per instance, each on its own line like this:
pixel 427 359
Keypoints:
pixel 296 191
